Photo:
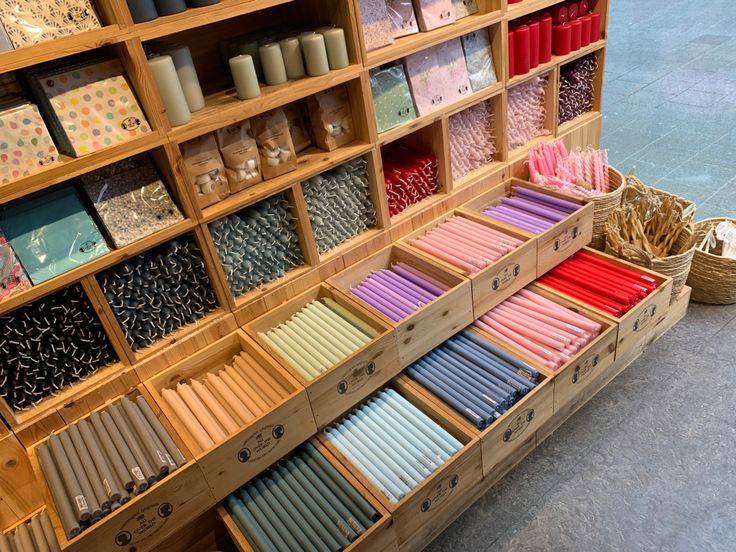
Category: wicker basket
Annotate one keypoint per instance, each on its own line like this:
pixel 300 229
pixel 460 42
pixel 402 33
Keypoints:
pixel 603 206
pixel 634 187
pixel 712 277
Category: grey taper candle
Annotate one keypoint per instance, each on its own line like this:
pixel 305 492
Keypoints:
pixel 139 424
pixel 71 482
pixel 142 10
pixel 169 7
pixel 132 441
pixel 63 503
pixel 89 467
pixel 101 464
pixel 159 444
pixel 131 465
pixel 38 535
pixel 48 531
pixel 114 457
pixel 160 430
pixel 24 536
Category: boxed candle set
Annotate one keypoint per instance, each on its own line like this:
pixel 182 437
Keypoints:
pixel 239 153
pixel 410 177
pixel 403 18
pixel 275 148
pixel 479 59
pixel 35 535
pixel 205 170
pixel 236 409
pixel 333 346
pixel 332 118
pixel 392 99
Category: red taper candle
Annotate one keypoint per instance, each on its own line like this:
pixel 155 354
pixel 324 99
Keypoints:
pixel 533 44
pixel 521 50
pixel 586 22
pixel 545 39
pixel 512 69
pixel 595 27
pixel 562 39
pixel 576 36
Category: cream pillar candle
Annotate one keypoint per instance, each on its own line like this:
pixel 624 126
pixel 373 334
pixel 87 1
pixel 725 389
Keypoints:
pixel 315 54
pixel 291 51
pixel 321 30
pixel 169 87
pixel 244 76
pixel 273 63
pixel 337 49
pixel 251 48
pixel 182 58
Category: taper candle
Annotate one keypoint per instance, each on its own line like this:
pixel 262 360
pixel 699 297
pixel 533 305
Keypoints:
pixel 315 54
pixel 337 50
pixel 170 89
pixel 291 51
pixel 245 77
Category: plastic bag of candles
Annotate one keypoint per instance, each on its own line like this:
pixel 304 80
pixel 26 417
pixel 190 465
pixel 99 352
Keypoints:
pixel 468 245
pixel 13 278
pixel 159 291
pixel 527 111
pixel 339 204
pixel 240 155
pixel 391 97
pixel 205 169
pixel 275 147
pixel 477 379
pixel 257 245
pixel 434 13
pixel 385 437
pixel 530 210
pixel 410 177
pixel 302 503
pixel 451 63
pixel 318 337
pixel 297 129
pixel 36 535
pixel 605 286
pixel 479 59
pixel 376 23
pixel 402 16
pixel 542 330
pixel 97 464
pixel 576 88
pixel 582 173
pixel 332 118
pixel 472 143
pixel 428 89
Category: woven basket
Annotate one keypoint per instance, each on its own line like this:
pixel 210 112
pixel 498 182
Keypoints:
pixel 712 277
pixel 634 187
pixel 603 206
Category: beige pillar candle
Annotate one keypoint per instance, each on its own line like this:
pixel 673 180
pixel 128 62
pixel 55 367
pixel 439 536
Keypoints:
pixel 133 443
pixel 160 431
pixel 185 70
pixel 350 317
pixel 275 384
pixel 272 62
pixel 288 356
pixel 170 90
pixel 204 441
pixel 315 54
pixel 248 388
pixel 337 48
pixel 231 399
pixel 62 500
pixel 244 76
pixel 215 407
pixel 291 51
pixel 48 531
pixel 200 411
pixel 227 378
pixel 255 379
pixel 38 536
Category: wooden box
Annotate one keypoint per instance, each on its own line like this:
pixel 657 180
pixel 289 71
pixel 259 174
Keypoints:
pixel 500 279
pixel 337 389
pixel 256 445
pixel 379 536
pixel 418 333
pixel 18 486
pixel 436 499
pixel 560 240
pixel 148 518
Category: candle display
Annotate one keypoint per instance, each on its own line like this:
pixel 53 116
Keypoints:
pixel 472 140
pixel 576 88
pixel 539 328
pixel 477 379
pixel 392 99
pixel 302 503
pixel 36 535
pixel 170 90
pixel 526 111
pixel 410 177
pixel 244 75
pixel 159 291
pixel 531 211
pixel 465 244
pixel 13 277
pixel 479 59
pixel 392 443
pixel 596 282
pixel 101 462
pixel 582 173
pixel 318 337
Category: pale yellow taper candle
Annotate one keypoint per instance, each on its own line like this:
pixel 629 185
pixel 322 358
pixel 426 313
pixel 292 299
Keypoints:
pixel 231 399
pixel 362 325
pixel 342 324
pixel 187 418
pixel 287 356
pixel 315 342
pixel 307 318
pixel 302 359
pixel 200 411
pixel 325 317
pixel 226 421
pixel 305 340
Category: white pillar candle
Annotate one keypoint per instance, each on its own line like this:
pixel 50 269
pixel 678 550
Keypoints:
pixel 291 51
pixel 187 73
pixel 337 50
pixel 273 63
pixel 315 54
pixel 244 76
pixel 169 87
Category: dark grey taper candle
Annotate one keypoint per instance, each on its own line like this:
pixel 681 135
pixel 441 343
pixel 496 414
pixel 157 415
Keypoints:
pixel 63 505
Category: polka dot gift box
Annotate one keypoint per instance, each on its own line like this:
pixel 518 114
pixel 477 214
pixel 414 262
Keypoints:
pixel 25 143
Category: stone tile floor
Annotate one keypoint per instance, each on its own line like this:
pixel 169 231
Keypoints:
pixel 650 462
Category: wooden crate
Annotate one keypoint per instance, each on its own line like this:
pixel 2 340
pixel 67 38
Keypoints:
pixel 560 240
pixel 380 536
pixel 418 333
pixel 256 445
pixel 500 279
pixel 18 486
pixel 339 388
pixel 149 517
pixel 436 498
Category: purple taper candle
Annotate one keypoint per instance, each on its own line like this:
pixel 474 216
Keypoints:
pixel 391 279
pixel 422 280
pixel 376 304
pixel 561 203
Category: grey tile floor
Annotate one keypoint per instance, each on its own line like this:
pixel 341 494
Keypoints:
pixel 649 464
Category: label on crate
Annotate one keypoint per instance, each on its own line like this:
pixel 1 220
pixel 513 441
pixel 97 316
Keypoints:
pixel 440 492
pixel 506 276
pixel 144 523
pixel 584 369
pixel 645 318
pixel 565 239
pixel 261 443
pixel 356 377
pixel 518 425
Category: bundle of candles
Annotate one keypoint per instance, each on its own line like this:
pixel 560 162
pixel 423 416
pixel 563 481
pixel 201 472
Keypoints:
pixel 530 210
pixel 541 329
pixel 36 535
pixel 49 344
pixel 339 204
pixel 222 403
pixel 596 282
pixel 583 173
pixel 98 464
pixel 465 244
pixel 530 43
pixel 398 291
pixel 302 503
pixel 576 88
pixel 257 245
pixel 319 336
pixel 473 376
pixel 159 291
pixel 472 143
pixel 526 111
pixel 392 443
pixel 410 177
pixel 575 26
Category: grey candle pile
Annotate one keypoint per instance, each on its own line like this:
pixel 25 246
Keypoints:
pixel 36 535
pixel 97 464
pixel 159 291
pixel 257 245
pixel 339 204
pixel 302 503
pixel 576 87
pixel 48 345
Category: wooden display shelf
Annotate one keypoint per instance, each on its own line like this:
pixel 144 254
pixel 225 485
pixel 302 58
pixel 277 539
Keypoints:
pixel 556 61
pixel 18 487
pixel 525 7
pixel 367 242
pixel 580 121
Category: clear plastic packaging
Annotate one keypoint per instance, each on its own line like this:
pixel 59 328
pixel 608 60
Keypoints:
pixel 479 59
pixel 131 200
pixel 377 26
pixel 12 276
pixel 464 8
pixel 240 155
pixel 425 79
pixel 30 21
pixel 205 169
pixel 434 13
pixel 5 44
pixel 275 147
pixel 451 62
pixel 26 146
pixel 403 18
pixel 391 97
pixel 332 118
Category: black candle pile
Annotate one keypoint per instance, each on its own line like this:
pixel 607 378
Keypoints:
pixel 257 245
pixel 339 204
pixel 159 291
pixel 36 535
pixel 49 344
pixel 98 464
pixel 303 503
pixel 410 177
pixel 576 87
pixel 473 376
